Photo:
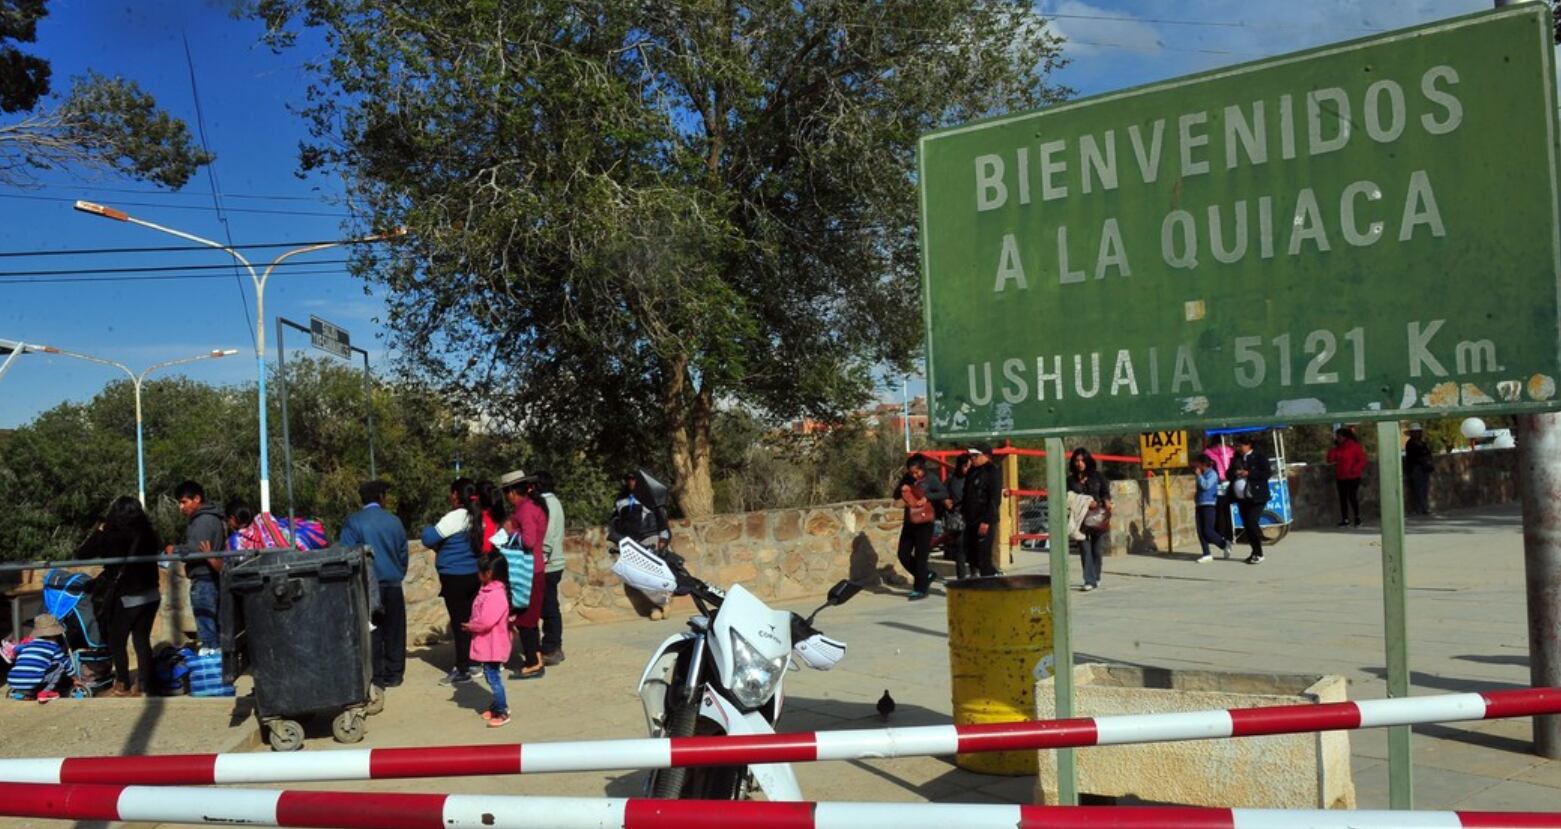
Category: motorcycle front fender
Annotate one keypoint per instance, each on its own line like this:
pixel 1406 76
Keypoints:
pixel 777 780
pixel 656 681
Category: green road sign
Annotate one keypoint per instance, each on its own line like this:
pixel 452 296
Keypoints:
pixel 1362 231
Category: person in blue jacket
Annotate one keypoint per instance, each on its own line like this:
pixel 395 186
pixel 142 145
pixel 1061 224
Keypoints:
pixel 456 540
pixel 387 537
pixel 1206 501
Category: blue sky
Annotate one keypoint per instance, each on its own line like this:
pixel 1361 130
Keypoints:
pixel 244 95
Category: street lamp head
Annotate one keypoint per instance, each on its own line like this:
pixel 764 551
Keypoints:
pixel 223 352
pixel 102 210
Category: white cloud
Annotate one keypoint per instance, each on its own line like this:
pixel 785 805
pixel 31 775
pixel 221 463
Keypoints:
pixel 1116 44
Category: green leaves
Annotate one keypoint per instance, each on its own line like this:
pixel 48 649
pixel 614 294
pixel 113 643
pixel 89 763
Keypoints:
pixel 116 125
pixel 24 78
pixel 104 123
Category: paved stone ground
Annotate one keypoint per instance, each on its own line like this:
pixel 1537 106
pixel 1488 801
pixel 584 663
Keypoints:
pixel 1313 607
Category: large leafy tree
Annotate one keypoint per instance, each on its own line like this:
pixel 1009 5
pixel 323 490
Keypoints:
pixel 102 123
pixel 629 212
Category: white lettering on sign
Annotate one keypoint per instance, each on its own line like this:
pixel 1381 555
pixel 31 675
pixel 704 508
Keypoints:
pixel 1229 232
pixel 1070 166
pixel 1320 357
pixel 1328 121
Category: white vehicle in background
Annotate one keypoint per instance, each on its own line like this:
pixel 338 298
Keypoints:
pixel 723 675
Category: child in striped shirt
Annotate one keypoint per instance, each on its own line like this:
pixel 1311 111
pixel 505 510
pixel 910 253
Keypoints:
pixel 40 663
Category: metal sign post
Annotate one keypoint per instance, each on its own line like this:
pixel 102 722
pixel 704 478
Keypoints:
pixel 1299 239
pixel 1062 639
pixel 1395 609
pixel 337 341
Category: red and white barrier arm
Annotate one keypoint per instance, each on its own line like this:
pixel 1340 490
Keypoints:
pixel 934 740
pixel 387 810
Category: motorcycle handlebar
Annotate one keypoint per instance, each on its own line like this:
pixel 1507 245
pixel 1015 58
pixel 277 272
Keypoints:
pixel 801 629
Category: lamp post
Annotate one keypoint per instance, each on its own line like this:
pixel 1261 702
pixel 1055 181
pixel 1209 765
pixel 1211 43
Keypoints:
pixel 10 350
pixel 259 280
pixel 136 381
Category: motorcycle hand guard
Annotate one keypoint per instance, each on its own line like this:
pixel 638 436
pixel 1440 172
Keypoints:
pixel 819 652
pixel 643 570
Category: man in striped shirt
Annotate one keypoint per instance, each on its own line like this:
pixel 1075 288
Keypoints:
pixel 41 662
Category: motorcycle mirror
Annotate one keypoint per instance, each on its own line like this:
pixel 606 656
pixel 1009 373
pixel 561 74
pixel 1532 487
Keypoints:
pixel 842 592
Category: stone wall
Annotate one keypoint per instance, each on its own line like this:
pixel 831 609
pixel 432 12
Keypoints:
pixel 1465 479
pixel 778 555
pixel 1139 514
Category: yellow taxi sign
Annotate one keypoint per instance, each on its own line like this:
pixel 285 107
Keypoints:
pixel 1163 450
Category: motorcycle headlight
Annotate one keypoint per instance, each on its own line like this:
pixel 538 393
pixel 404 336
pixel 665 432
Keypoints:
pixel 753 676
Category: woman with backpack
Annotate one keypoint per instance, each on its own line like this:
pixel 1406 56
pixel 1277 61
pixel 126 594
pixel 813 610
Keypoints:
pixel 126 596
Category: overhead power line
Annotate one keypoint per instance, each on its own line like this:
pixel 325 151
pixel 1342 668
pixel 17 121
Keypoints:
pixel 133 191
pixel 64 280
pixel 11 254
pixel 204 208
pixel 211 178
pixel 284 267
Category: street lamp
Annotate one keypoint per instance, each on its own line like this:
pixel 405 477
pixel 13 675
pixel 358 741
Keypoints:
pixel 10 350
pixel 135 380
pixel 259 279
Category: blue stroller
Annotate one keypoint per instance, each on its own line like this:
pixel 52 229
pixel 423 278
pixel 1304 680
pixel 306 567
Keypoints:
pixel 67 596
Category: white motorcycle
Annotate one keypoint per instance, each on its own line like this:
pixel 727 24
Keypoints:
pixel 723 675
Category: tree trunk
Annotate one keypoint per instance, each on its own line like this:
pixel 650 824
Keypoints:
pixel 689 439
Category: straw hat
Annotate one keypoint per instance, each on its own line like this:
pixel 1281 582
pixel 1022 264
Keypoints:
pixel 46 625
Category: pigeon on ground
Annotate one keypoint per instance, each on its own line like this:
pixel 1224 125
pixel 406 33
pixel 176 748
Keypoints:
pixel 885 706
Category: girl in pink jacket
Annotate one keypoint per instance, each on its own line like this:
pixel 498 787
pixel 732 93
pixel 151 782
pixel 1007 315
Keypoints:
pixel 489 626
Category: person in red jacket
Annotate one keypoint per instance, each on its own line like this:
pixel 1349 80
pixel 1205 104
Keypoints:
pixel 1349 464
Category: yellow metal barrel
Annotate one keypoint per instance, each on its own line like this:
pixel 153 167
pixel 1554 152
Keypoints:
pixel 1000 645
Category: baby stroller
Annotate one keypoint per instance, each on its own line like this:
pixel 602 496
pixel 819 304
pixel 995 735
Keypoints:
pixel 67 596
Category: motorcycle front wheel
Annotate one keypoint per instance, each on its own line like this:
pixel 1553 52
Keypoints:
pixel 668 784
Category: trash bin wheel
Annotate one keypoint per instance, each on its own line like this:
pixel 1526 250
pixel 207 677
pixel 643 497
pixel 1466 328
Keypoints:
pixel 376 700
pixel 348 727
pixel 284 735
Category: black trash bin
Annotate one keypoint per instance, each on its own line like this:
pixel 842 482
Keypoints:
pixel 305 618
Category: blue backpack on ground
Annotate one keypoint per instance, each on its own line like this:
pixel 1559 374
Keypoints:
pixel 206 675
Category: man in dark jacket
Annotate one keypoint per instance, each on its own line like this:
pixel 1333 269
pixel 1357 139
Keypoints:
pixel 207 532
pixel 983 494
pixel 1248 474
pixel 387 537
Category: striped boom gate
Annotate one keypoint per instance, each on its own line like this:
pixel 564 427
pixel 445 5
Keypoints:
pixel 612 755
pixel 387 810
